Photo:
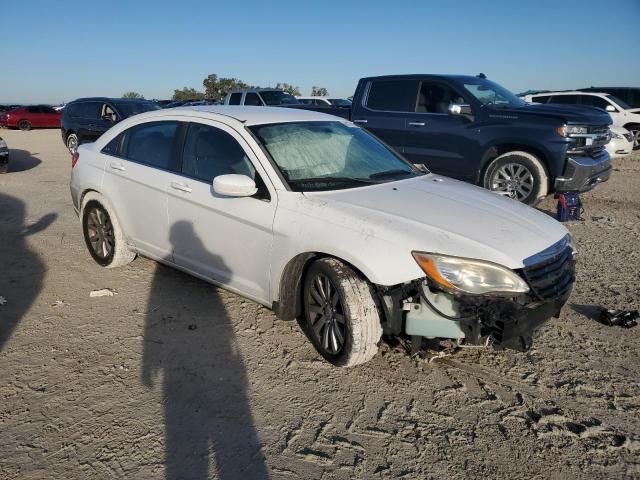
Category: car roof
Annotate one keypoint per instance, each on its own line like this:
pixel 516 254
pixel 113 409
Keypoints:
pixel 108 99
pixel 569 92
pixel 417 76
pixel 248 115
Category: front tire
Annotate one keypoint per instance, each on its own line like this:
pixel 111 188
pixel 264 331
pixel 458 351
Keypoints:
pixel 72 142
pixel 102 233
pixel 24 125
pixel 635 131
pixel 518 175
pixel 341 317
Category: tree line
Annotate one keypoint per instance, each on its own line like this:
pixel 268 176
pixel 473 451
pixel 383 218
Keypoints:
pixel 216 89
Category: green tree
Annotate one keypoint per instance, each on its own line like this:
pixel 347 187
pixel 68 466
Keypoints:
pixel 295 91
pixel 319 92
pixel 132 95
pixel 185 93
pixel 216 88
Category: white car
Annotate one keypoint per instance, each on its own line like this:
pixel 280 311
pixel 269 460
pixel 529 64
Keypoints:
pixel 621 143
pixel 330 101
pixel 315 218
pixel 621 114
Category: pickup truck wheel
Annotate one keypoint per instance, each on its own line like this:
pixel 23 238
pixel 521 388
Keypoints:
pixel 341 317
pixel 102 233
pixel 518 175
pixel 72 142
pixel 24 125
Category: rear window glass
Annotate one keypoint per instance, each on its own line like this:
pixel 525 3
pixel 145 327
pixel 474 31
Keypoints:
pixel 393 95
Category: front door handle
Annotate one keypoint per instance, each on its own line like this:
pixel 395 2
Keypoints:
pixel 183 187
pixel 117 166
pixel 416 124
pixel 360 120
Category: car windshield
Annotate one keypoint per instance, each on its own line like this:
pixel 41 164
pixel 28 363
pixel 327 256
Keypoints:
pixel 490 93
pixel 318 156
pixel 620 103
pixel 129 109
pixel 275 97
pixel 340 102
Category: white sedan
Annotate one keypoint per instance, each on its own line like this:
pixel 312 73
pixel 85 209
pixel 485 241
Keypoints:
pixel 317 219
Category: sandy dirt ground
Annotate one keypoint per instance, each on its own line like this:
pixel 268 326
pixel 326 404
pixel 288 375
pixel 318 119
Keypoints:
pixel 174 378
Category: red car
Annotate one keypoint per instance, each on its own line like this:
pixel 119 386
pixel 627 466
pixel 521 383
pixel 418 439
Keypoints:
pixel 35 116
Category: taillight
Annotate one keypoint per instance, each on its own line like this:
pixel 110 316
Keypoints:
pixel 75 156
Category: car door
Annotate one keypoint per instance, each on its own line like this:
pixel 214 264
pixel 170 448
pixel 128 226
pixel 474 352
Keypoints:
pixel 136 181
pixel 50 117
pixel 88 112
pixel 385 109
pixel 224 239
pixel 437 139
pixel 34 115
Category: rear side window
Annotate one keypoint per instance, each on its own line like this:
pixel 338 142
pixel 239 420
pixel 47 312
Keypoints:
pixel 88 110
pixel 252 99
pixel 209 152
pixel 113 147
pixel 393 95
pixel 565 99
pixel 540 99
pixel 33 109
pixel 234 99
pixel 153 144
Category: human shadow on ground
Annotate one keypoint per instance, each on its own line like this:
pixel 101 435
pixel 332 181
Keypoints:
pixel 189 336
pixel 22 160
pixel 21 269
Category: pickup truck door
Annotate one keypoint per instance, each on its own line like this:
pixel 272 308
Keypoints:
pixel 445 143
pixel 384 109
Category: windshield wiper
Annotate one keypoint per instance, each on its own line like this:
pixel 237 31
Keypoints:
pixel 390 173
pixel 366 181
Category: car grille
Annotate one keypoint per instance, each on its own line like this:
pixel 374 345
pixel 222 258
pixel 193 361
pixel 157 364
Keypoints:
pixel 553 276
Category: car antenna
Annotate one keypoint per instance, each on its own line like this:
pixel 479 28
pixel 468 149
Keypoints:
pixel 481 75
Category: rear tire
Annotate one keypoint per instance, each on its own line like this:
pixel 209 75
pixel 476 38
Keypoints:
pixel 518 175
pixel 102 233
pixel 341 317
pixel 72 142
pixel 24 125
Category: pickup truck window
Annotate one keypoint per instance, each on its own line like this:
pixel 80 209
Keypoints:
pixel 252 99
pixel 235 98
pixel 275 98
pixel 436 97
pixel 490 93
pixel 315 156
pixel 393 95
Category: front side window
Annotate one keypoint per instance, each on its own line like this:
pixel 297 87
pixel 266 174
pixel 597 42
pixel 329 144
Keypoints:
pixel 252 99
pixel 330 155
pixel 152 144
pixel 436 97
pixel 235 98
pixel 540 99
pixel 594 101
pixel 209 152
pixel 620 103
pixel 393 95
pixel 277 97
pixel 490 93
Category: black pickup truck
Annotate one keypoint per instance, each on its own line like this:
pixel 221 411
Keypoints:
pixel 472 129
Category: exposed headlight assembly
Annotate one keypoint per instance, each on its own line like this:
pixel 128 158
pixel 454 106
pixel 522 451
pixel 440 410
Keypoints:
pixel 567 130
pixel 466 275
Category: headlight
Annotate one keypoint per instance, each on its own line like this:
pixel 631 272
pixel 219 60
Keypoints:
pixel 470 276
pixel 615 135
pixel 3 144
pixel 567 130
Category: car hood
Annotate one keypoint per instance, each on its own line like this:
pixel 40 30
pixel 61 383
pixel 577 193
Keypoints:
pixel 575 114
pixel 440 215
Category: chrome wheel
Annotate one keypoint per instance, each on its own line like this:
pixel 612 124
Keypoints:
pixel 100 233
pixel 513 180
pixel 635 138
pixel 326 314
pixel 72 143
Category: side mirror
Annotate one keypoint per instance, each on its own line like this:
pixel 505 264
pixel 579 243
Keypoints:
pixel 234 185
pixel 460 109
pixel 611 108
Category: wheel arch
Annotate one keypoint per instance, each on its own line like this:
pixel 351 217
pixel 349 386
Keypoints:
pixel 288 305
pixel 494 151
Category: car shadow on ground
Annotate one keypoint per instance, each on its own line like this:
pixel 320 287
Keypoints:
pixel 189 337
pixel 22 160
pixel 21 269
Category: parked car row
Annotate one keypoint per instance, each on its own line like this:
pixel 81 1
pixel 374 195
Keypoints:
pixel 319 220
pixel 34 116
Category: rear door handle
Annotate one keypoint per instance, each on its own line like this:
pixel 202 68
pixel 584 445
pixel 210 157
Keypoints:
pixel 360 120
pixel 183 187
pixel 416 124
pixel 117 166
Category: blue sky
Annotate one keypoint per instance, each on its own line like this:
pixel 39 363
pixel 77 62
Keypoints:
pixel 58 51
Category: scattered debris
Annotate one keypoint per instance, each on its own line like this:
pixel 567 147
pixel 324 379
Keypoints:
pixel 619 318
pixel 3 301
pixel 192 326
pixel 602 219
pixel 104 292
pixel 58 303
